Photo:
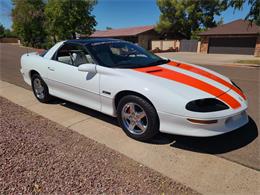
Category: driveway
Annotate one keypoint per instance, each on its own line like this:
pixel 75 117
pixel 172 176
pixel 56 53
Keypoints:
pixel 208 59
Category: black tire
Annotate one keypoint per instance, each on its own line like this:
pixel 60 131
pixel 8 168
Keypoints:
pixel 46 96
pixel 152 128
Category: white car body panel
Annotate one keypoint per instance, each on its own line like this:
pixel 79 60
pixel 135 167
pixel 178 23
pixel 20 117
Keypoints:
pixel 76 86
pixel 98 91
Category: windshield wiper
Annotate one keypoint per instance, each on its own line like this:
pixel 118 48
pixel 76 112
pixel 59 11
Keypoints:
pixel 122 64
pixel 126 64
pixel 159 62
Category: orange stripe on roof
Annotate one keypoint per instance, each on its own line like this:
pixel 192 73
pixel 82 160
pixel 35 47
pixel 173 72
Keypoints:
pixel 208 75
pixel 192 82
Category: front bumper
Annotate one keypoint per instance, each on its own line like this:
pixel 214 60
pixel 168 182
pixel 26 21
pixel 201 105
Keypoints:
pixel 174 124
pixel 26 76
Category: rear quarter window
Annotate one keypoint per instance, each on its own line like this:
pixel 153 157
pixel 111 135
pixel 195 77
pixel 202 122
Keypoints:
pixel 42 54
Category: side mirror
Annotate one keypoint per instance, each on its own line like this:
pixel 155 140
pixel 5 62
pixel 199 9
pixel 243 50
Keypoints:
pixel 87 68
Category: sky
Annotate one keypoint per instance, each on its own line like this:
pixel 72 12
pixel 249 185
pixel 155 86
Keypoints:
pixel 124 13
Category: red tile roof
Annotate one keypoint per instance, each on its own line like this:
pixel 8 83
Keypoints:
pixel 237 27
pixel 132 31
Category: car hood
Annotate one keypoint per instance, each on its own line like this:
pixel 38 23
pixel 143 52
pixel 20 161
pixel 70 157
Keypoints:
pixel 187 81
pixel 186 75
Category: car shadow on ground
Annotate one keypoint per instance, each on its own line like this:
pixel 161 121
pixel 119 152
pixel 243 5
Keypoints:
pixel 214 145
pixel 159 139
pixel 87 111
pixel 218 144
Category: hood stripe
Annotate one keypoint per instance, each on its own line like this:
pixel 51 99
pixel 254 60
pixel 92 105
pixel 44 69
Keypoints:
pixel 208 75
pixel 192 82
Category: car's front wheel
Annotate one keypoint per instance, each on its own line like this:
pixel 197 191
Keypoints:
pixel 138 118
pixel 40 89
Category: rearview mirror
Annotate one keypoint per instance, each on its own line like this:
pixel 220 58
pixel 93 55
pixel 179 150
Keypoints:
pixel 87 68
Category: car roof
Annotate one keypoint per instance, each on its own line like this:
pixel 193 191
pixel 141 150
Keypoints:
pixel 91 40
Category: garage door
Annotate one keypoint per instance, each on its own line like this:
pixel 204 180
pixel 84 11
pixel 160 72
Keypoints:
pixel 230 45
pixel 189 45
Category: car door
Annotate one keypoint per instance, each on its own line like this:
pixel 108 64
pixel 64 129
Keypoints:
pixel 67 82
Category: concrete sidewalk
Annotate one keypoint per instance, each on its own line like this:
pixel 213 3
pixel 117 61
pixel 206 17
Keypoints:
pixel 204 173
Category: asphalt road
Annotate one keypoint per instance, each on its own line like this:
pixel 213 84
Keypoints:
pixel 241 146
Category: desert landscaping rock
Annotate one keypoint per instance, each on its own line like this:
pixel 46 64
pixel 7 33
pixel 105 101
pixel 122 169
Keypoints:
pixel 40 156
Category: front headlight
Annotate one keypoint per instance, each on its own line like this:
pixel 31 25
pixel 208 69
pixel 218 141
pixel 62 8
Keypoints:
pixel 206 105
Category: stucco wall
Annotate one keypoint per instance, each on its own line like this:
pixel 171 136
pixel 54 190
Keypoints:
pixel 257 47
pixel 156 44
pixel 204 45
pixel 8 40
pixel 165 44
pixel 145 39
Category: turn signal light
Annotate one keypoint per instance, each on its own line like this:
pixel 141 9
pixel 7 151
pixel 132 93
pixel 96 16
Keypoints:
pixel 202 121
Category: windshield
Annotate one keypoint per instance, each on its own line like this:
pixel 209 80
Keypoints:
pixel 120 54
pixel 42 54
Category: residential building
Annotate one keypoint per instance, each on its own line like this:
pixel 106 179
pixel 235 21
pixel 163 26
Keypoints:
pixel 237 37
pixel 142 35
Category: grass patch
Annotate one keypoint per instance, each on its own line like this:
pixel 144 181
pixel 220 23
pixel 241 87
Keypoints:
pixel 257 62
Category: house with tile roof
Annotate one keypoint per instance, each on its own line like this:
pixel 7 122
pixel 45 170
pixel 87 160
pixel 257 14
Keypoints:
pixel 142 35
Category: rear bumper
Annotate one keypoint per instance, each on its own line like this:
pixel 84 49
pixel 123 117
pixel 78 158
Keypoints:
pixel 174 124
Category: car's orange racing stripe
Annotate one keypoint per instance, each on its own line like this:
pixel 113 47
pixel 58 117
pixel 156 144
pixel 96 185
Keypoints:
pixel 208 75
pixel 190 81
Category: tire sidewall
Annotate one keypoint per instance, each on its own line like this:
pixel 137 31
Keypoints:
pixel 46 90
pixel 153 119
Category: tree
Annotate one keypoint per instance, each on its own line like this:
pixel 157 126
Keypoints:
pixel 186 17
pixel 254 12
pixel 109 28
pixel 65 18
pixel 220 22
pixel 2 30
pixel 28 17
pixel 5 32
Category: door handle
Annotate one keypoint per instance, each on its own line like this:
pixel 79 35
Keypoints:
pixel 51 69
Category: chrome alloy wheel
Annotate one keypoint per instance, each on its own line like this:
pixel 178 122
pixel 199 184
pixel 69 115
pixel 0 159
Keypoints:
pixel 38 88
pixel 134 118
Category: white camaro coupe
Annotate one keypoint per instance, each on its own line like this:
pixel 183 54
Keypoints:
pixel 146 93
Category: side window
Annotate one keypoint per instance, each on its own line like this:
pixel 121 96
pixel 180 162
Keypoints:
pixel 63 55
pixel 74 55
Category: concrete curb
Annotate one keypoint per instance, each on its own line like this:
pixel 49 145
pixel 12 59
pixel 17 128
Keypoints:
pixel 240 65
pixel 204 173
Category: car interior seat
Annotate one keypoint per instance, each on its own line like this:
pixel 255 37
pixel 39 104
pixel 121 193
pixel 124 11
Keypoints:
pixel 79 58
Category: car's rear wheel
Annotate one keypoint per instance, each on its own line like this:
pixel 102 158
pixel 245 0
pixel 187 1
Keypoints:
pixel 40 89
pixel 138 118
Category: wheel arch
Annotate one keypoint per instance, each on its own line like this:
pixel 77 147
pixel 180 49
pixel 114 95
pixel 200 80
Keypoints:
pixel 32 72
pixel 124 93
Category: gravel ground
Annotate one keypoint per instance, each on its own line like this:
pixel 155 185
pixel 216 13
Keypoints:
pixel 40 156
